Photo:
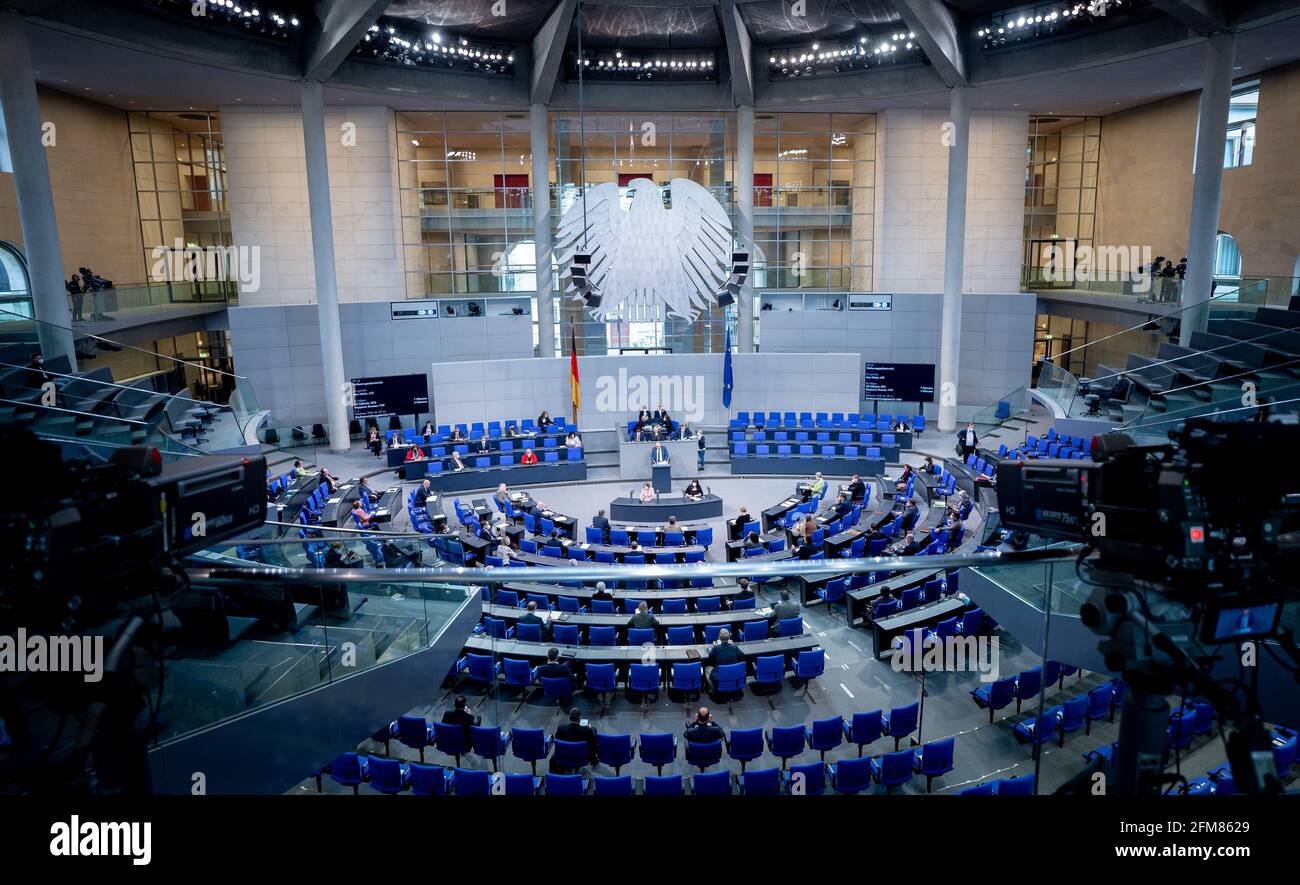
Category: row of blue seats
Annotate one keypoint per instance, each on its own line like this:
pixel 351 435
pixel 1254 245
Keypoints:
pixel 666 605
pixel 490 429
pixel 765 450
pixel 1007 786
pixel 508 459
pixel 824 420
pixel 819 436
pixel 601 679
pixel 1050 445
pixel 970 623
pixel 1028 684
pixel 620 537
pixel 503 446
pixel 1219 781
pixel 684 634
pixel 849 776
pixel 531 745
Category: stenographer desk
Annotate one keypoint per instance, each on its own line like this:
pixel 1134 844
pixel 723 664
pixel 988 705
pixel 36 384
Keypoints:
pixel 658 510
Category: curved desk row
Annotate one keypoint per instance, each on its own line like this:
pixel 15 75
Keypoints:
pixel 899 438
pixel 785 465
pixel 443 449
pixel 635 654
pixel 888 454
pixel 653 555
pixel 658 510
pixel 587 619
pixel 523 588
pixel 473 478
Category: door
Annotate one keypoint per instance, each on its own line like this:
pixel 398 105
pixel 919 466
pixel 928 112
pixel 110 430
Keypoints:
pixel 511 191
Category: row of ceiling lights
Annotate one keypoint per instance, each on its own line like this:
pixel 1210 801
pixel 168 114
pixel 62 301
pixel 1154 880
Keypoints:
pixel 1018 26
pixel 616 63
pixel 249 16
pixel 435 50
pixel 866 52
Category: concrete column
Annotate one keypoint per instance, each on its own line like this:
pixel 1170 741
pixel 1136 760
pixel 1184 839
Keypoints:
pixel 22 118
pixel 954 254
pixel 541 184
pixel 322 247
pixel 1216 93
pixel 744 186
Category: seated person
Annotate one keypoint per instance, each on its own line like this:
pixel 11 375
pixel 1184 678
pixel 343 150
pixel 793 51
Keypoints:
pixel 643 417
pixel 807 550
pixel 484 446
pixel 359 516
pixel 803 529
pixel 702 729
pixel 600 521
pixel 633 545
pixel 785 609
pixel 575 732
pixel 642 618
pixel 900 485
pixel 529 457
pixel 367 496
pixel 544 421
pixel 857 489
pixel 457 436
pixel 502 496
pixel 554 668
pixel 503 549
pixel 460 715
pixel 683 432
pixel 394 440
pixel 639 429
pixel 428 431
pixel 414 453
pixel 573 441
pixel 742 594
pixel 374 442
pixel 530 616
pixel 454 463
pixel 338 556
pixel 329 480
pixel 647 493
pixel 724 651
pixel 951 518
pixel 928 467
pixel 908 546
pixel 752 541
pixel 422 494
pixel 300 470
pixel 670 525
pixel 901 424
pixel 737 526
pixel 965 504
pixel 512 432
pixel 817 486
pixel 694 490
pixel 666 422
pixel 601 592
pixel 842 506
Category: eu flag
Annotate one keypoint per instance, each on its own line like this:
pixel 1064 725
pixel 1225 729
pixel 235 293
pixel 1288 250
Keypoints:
pixel 726 374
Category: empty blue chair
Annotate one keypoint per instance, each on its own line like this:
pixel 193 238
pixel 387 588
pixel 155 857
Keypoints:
pixel 786 742
pixel 854 775
pixel 729 679
pixel 995 695
pixel 668 785
pixel 451 740
pixel 745 745
pixel 892 769
pixel 565 785
pixel 717 783
pixel 530 744
pixel 517 673
pixel 900 722
pixel 472 782
pixel 1028 684
pixel 602 679
pixel 764 782
pixel 864 728
pixel 349 770
pixel 702 754
pixel 615 750
pixel 684 635
pixel 389 775
pixel 688 677
pixel 933 759
pixel 826 734
pixel 1016 786
pixel 769 670
pixel 521 784
pixel 789 627
pixel 752 631
pixel 988 788
pixel 1036 730
pixel 489 742
pixel 570 755
pixel 644 679
pixel 808 779
pixel 613 786
pixel 411 731
pixel 1070 716
pixel 808 665
pixel 658 749
pixel 601 635
pixel 430 780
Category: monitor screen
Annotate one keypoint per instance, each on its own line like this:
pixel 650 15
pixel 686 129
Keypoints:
pixel 905 382
pixel 1231 623
pixel 390 395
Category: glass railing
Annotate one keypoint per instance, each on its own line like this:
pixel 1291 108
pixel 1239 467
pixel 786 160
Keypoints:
pixel 1010 407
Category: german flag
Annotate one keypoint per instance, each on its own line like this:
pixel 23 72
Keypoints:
pixel 575 387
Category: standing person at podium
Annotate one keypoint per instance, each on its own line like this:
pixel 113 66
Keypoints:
pixel 647 493
pixel 659 455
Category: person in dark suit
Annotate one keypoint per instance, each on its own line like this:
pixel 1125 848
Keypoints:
pixel 530 616
pixel 659 455
pixel 600 521
pixel 910 546
pixel 724 651
pixel 601 592
pixel 575 732
pixel 457 435
pixel 807 550
pixel 459 715
pixel 642 618
pixel 752 541
pixel 900 485
pixel 554 668
pixel 857 489
pixel 785 609
pixel 910 515
pixel 967 440
pixel 484 446
pixel 842 506
pixel 428 431
pixel 702 729
pixel 544 421
pixel 744 593
pixel 422 495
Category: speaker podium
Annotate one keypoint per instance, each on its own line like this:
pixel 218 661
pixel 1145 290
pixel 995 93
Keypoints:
pixel 661 477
